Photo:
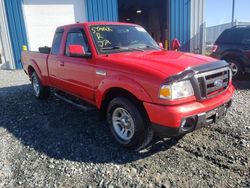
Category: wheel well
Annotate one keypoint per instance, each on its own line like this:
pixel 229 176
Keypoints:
pixel 119 92
pixel 30 70
pixel 233 57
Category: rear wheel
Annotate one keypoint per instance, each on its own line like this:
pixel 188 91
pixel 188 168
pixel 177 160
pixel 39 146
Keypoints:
pixel 128 124
pixel 236 68
pixel 40 91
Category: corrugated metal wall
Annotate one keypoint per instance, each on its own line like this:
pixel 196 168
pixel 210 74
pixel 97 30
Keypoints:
pixel 16 28
pixel 102 10
pixel 6 51
pixel 184 23
pixel 197 32
pixel 180 22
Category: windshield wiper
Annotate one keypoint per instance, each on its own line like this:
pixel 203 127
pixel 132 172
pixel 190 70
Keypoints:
pixel 153 47
pixel 136 49
pixel 111 48
pixel 120 48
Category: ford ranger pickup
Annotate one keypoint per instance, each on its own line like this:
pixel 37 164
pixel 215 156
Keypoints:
pixel 139 87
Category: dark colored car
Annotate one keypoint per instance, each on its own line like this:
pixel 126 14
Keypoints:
pixel 233 45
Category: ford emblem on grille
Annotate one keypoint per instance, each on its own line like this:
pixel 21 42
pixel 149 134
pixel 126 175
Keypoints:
pixel 218 83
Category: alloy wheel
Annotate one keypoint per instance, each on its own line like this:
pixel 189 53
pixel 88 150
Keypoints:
pixel 123 124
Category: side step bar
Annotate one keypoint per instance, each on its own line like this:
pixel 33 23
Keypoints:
pixel 80 106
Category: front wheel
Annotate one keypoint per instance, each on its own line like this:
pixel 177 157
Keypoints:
pixel 40 91
pixel 236 68
pixel 128 124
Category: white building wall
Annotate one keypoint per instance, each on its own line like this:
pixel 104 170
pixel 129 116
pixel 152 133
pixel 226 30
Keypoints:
pixel 42 17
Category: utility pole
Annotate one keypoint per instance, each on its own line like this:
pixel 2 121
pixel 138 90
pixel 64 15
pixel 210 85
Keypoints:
pixel 233 12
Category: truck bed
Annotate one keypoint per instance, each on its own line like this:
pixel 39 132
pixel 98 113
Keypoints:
pixel 37 60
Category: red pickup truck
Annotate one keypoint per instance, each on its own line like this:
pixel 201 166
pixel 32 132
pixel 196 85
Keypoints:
pixel 139 87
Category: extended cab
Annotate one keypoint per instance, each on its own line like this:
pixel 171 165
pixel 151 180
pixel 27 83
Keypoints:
pixel 141 88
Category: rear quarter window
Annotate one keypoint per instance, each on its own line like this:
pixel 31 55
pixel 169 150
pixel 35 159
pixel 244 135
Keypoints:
pixel 231 36
pixel 56 43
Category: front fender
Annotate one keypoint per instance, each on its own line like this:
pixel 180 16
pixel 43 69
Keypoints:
pixel 121 82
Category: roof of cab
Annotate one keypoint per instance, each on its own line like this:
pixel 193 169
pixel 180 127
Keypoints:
pixel 96 23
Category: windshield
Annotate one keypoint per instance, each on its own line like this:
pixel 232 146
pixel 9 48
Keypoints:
pixel 117 38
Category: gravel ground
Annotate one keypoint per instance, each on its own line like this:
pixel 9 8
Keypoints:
pixel 53 144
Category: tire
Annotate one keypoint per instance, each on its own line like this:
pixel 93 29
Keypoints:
pixel 236 68
pixel 40 91
pixel 125 117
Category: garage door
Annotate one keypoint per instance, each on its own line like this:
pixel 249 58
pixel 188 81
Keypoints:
pixel 43 16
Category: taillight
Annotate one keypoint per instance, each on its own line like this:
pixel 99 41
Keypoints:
pixel 215 47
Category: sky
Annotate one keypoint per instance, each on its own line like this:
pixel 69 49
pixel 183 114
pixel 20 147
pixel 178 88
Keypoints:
pixel 220 11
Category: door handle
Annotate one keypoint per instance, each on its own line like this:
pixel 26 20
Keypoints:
pixel 61 63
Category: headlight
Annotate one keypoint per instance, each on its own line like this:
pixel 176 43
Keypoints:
pixel 176 90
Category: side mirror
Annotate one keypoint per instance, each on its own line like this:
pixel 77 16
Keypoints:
pixel 77 51
pixel 44 50
pixel 175 44
pixel 160 44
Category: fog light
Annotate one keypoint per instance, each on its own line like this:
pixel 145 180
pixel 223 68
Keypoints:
pixel 188 124
pixel 183 122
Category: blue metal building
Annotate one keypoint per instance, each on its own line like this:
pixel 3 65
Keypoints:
pixel 23 20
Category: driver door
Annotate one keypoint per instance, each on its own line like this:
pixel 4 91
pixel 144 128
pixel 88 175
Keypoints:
pixel 78 72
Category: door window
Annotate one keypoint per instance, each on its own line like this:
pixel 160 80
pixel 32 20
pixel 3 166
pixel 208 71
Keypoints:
pixel 76 38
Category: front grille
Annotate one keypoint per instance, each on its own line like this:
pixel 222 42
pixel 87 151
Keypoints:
pixel 213 82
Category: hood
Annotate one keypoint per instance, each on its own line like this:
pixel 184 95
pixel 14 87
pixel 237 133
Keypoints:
pixel 167 62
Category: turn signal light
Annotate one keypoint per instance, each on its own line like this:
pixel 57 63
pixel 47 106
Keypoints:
pixel 165 92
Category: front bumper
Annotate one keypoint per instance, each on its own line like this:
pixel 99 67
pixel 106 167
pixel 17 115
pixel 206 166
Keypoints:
pixel 167 120
pixel 198 121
